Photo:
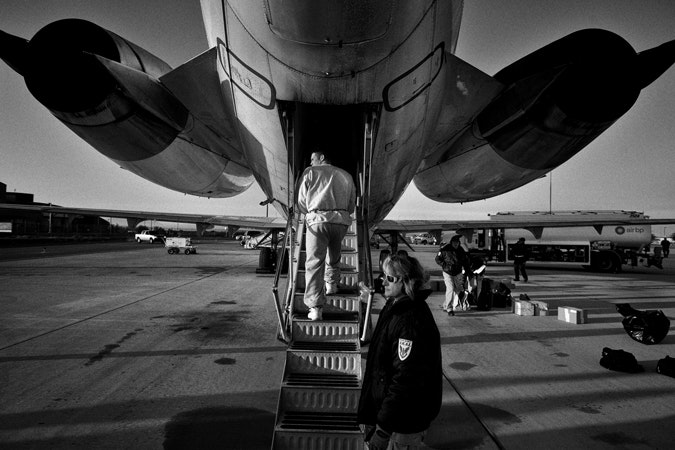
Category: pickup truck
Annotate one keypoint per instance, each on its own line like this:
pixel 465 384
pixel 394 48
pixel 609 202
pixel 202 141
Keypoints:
pixel 147 236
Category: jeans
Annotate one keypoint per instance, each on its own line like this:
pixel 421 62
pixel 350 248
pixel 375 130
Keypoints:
pixel 454 284
pixel 518 268
pixel 323 243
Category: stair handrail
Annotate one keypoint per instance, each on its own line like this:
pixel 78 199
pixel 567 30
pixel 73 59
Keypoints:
pixel 282 316
pixel 364 180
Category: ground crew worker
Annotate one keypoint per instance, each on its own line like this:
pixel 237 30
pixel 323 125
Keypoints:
pixel 327 197
pixel 520 257
pixel 403 382
pixel 455 263
pixel 665 246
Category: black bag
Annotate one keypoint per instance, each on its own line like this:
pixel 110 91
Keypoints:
pixel 501 297
pixel 484 300
pixel 620 361
pixel 647 327
pixel 666 366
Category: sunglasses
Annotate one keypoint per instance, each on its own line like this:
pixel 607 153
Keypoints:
pixel 392 279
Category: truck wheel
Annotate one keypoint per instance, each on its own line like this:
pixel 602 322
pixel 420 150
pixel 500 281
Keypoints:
pixel 187 251
pixel 138 240
pixel 605 261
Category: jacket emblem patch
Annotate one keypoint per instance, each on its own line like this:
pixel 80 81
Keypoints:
pixel 404 348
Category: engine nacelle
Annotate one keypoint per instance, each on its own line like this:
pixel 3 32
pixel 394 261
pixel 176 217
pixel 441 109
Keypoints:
pixel 556 101
pixel 68 67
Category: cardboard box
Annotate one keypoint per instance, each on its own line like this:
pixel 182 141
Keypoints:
pixel 523 308
pixel 572 315
pixel 540 308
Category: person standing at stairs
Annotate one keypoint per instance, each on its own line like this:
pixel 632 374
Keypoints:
pixel 327 197
pixel 403 383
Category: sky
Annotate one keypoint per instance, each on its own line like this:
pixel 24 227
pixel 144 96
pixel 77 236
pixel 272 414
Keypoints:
pixel 629 167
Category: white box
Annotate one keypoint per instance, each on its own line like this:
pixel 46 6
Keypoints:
pixel 572 315
pixel 523 308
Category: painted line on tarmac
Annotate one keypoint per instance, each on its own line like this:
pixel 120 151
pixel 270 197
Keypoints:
pixel 113 309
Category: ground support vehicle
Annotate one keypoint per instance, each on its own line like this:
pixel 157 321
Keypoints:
pixel 423 239
pixel 601 248
pixel 175 245
pixel 147 236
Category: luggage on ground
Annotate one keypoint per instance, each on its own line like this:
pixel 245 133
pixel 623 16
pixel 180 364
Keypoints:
pixel 620 361
pixel 666 366
pixel 484 300
pixel 647 327
pixel 501 296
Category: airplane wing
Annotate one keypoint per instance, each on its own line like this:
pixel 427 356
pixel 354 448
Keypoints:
pixel 134 217
pixel 534 222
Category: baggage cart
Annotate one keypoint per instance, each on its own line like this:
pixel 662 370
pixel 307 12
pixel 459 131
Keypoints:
pixel 175 245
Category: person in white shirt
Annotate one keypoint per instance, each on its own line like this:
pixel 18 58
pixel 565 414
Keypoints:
pixel 327 197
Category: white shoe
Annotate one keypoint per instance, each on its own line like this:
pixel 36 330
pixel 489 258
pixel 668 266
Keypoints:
pixel 315 314
pixel 331 289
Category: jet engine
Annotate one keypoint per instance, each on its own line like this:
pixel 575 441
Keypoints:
pixel 108 91
pixel 555 101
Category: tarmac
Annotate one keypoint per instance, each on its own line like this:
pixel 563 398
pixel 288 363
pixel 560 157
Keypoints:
pixel 122 346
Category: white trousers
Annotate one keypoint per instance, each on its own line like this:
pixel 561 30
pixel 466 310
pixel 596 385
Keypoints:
pixel 322 239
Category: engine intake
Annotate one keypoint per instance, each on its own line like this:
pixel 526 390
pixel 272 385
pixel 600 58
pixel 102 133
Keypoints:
pixel 63 74
pixel 556 101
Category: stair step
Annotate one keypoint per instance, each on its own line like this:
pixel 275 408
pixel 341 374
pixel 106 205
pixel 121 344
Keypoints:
pixel 319 421
pixel 297 420
pixel 320 346
pixel 301 431
pixel 318 380
pixel 319 400
pixel 328 362
pixel 348 278
pixel 329 329
pixel 336 305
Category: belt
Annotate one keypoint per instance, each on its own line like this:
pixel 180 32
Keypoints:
pixel 327 210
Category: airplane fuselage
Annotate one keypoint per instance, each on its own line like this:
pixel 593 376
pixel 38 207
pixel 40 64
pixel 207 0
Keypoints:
pixel 330 68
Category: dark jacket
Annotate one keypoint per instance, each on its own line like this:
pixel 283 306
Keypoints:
pixel 452 260
pixel 520 252
pixel 402 391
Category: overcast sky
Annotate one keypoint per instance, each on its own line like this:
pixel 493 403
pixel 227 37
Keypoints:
pixel 629 167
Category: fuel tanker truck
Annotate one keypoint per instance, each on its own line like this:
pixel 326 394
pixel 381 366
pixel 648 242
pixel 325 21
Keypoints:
pixel 601 247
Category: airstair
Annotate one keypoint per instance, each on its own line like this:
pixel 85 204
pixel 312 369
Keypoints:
pixel 322 378
pixel 321 384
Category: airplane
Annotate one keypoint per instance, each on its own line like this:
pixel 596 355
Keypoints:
pixel 375 84
pixel 379 87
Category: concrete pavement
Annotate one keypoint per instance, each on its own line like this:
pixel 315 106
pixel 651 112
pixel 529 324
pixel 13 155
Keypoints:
pixel 135 348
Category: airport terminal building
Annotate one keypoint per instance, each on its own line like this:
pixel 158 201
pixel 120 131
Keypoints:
pixel 31 223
